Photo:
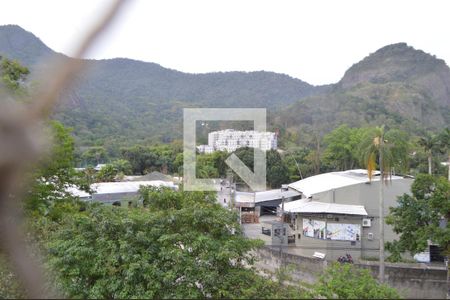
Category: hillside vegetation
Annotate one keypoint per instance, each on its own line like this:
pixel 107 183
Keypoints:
pixel 397 85
pixel 121 102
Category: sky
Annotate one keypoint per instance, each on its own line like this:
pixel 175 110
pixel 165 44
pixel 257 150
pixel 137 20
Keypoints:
pixel 315 41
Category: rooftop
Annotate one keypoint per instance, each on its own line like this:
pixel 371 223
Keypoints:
pixel 263 196
pixel 119 187
pixel 334 180
pixel 231 131
pixel 308 206
pixel 126 186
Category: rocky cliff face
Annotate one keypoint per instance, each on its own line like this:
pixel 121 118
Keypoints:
pixel 402 63
pixel 397 86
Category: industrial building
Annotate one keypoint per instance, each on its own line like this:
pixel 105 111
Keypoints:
pixel 339 213
pixel 328 215
pixel 117 192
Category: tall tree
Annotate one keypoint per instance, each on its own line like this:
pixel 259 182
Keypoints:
pixel 140 157
pixel 375 148
pixel 400 148
pixel 56 173
pixel 107 173
pixel 430 144
pixel 422 216
pixel 341 147
pixel 296 160
pixel 182 245
pixel 12 73
pixel 123 166
pixel 277 172
pixel 94 156
pixel 316 152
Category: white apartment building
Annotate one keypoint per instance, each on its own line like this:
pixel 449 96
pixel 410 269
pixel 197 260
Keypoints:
pixel 229 140
pixel 205 149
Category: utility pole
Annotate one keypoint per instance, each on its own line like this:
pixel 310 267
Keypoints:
pixel 231 183
pixel 381 209
pixel 240 215
pixel 447 265
pixel 254 208
pixel 233 195
pixel 282 230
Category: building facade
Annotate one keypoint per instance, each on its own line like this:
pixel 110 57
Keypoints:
pixel 339 213
pixel 205 149
pixel 229 140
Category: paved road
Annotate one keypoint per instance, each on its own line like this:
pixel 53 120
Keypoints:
pixel 254 230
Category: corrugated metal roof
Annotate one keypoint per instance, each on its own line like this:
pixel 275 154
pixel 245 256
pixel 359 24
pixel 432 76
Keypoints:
pixel 244 197
pixel 307 206
pixel 269 195
pixel 126 186
pixel 275 195
pixel 334 180
pixel 119 187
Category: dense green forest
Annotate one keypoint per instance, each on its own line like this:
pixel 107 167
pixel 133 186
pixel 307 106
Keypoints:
pixel 336 150
pixel 120 103
pixel 341 149
pixel 123 101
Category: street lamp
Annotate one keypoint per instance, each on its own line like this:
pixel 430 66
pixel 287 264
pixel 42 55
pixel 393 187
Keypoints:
pixel 284 187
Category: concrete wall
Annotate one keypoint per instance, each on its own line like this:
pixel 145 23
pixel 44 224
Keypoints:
pixel 415 281
pixel 305 268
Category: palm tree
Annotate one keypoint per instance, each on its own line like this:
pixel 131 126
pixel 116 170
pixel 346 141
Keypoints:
pixel 429 143
pixel 376 147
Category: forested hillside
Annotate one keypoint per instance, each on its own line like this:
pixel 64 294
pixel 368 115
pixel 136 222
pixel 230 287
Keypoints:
pixel 119 102
pixel 397 86
pixel 122 100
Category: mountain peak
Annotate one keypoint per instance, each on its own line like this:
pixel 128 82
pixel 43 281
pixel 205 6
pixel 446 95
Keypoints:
pixel 402 63
pixel 389 61
pixel 401 46
pixel 17 43
pixel 12 27
pixel 406 53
